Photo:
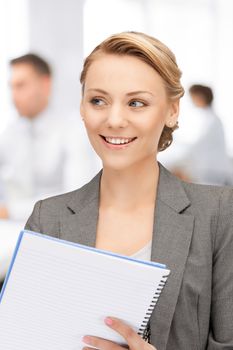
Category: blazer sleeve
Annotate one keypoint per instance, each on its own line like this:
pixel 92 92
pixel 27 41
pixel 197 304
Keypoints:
pixel 221 322
pixel 33 223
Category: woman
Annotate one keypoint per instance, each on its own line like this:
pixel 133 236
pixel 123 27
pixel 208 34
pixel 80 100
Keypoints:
pixel 130 104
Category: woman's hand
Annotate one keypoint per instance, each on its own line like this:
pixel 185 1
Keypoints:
pixel 134 341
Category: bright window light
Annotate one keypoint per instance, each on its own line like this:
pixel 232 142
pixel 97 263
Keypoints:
pixel 103 18
pixel 14 41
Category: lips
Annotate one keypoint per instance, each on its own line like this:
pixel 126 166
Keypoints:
pixel 118 140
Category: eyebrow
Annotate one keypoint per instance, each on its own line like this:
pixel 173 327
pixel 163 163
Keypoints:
pixel 128 94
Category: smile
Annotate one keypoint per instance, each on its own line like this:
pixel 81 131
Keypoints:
pixel 118 140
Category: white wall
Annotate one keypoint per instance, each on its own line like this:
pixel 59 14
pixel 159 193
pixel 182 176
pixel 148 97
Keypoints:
pixel 14 41
pixel 56 32
pixel 223 74
pixel 105 17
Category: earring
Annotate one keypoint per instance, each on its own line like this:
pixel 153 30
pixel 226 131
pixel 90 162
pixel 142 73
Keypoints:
pixel 170 124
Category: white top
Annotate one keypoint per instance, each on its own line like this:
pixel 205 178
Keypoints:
pixel 144 253
pixel 42 157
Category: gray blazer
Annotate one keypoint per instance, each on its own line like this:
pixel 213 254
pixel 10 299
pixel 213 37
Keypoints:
pixel 192 235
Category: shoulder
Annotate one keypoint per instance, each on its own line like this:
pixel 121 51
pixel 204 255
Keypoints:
pixel 213 205
pixel 211 208
pixel 11 135
pixel 72 201
pixel 218 199
pixel 48 212
pixel 55 205
pixel 193 198
pixel 16 125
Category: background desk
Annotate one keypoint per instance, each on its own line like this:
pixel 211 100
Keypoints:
pixel 9 232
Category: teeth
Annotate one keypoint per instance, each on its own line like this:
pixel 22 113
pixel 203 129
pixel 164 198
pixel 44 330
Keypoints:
pixel 117 141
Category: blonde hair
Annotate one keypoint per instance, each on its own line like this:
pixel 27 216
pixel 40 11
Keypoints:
pixel 155 54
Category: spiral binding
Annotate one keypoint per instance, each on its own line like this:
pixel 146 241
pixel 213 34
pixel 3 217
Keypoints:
pixel 144 330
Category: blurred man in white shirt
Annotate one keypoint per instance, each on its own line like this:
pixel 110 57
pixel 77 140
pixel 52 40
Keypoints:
pixel 41 152
pixel 199 152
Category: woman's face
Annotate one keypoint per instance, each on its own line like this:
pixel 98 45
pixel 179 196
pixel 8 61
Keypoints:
pixel 125 108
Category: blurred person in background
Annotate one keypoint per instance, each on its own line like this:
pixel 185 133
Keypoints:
pixel 41 153
pixel 199 154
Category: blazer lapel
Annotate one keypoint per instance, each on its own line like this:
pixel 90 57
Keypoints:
pixel 81 223
pixel 171 240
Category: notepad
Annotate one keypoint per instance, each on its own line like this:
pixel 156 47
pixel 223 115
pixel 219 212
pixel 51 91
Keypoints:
pixel 56 292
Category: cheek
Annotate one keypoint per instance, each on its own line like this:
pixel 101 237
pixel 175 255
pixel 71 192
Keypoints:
pixel 92 129
pixel 153 125
pixel 92 119
pixel 91 124
pixel 152 134
pixel 28 95
pixel 23 99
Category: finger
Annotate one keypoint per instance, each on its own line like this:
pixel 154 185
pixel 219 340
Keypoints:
pixel 151 347
pixel 134 341
pixel 100 343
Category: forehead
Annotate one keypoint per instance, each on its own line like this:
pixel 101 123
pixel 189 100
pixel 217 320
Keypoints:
pixel 127 71
pixel 23 71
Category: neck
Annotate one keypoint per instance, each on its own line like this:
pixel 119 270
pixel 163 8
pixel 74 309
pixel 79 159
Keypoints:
pixel 130 188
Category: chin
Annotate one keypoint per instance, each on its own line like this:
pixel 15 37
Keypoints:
pixel 22 113
pixel 118 165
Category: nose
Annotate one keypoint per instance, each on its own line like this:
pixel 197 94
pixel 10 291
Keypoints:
pixel 117 117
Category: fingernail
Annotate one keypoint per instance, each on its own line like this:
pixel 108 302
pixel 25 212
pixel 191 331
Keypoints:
pixel 86 339
pixel 108 321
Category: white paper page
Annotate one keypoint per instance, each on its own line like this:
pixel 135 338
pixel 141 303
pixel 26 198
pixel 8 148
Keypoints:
pixel 57 293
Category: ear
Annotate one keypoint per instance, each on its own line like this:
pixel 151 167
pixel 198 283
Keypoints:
pixel 173 113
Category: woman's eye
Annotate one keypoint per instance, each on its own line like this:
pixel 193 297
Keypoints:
pixel 136 104
pixel 97 101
